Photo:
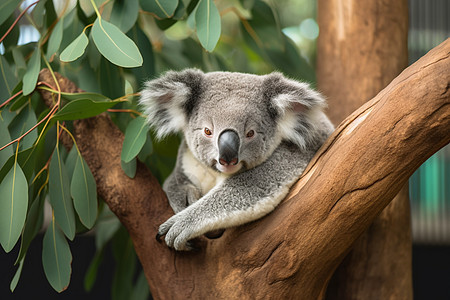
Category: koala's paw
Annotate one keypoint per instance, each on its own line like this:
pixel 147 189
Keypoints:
pixel 178 231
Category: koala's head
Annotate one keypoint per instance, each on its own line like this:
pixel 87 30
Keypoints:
pixel 231 121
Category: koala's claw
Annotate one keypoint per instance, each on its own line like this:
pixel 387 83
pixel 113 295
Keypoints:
pixel 158 237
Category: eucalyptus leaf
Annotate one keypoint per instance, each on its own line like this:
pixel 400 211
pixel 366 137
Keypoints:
pixel 59 190
pixel 21 124
pixel 163 9
pixel 124 14
pixel 147 70
pixel 19 62
pixel 11 40
pixel 7 79
pixel 38 13
pixel 125 257
pixel 140 289
pixel 75 49
pixel 33 224
pixel 55 39
pixel 32 73
pixel 16 277
pixel 110 79
pixel 91 273
pixel 19 102
pixel 5 138
pixel 207 19
pixel 135 137
pixel 71 161
pixel 107 225
pixel 7 7
pixel 82 109
pixel 84 192
pixel 129 167
pixel 115 45
pixel 26 159
pixel 95 97
pixel 13 206
pixel 56 258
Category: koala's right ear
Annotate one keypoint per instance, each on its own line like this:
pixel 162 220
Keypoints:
pixel 169 100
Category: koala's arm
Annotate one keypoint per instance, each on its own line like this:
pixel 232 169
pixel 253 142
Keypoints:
pixel 239 199
pixel 180 191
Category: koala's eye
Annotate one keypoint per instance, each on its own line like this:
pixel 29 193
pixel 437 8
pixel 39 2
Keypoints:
pixel 207 131
pixel 250 134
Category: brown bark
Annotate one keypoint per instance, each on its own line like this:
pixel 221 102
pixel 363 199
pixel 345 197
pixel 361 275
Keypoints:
pixel 292 252
pixel 362 47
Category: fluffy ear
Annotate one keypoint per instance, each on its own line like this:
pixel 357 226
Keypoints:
pixel 169 100
pixel 295 106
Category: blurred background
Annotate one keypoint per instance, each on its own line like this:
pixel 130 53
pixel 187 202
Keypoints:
pixel 429 186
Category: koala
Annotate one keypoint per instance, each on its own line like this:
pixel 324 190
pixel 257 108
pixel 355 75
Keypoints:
pixel 246 140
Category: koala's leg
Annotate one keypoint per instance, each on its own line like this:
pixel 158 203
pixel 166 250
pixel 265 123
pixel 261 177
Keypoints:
pixel 180 191
pixel 241 198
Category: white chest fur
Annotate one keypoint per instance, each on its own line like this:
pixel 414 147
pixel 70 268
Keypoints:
pixel 199 174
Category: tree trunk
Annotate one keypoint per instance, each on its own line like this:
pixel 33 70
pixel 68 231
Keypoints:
pixel 292 252
pixel 362 46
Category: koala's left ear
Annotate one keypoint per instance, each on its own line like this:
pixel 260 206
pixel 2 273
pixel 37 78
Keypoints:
pixel 294 105
pixel 169 100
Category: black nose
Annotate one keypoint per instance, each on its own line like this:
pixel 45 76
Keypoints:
pixel 228 148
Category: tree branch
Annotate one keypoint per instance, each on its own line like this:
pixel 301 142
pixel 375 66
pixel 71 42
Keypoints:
pixel 292 252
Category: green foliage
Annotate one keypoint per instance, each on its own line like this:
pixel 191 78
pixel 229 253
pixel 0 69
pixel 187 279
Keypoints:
pixel 135 137
pixel 108 49
pixel 56 258
pixel 13 207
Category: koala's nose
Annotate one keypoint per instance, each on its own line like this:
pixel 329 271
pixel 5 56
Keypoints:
pixel 228 147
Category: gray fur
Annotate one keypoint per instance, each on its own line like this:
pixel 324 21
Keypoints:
pixel 289 127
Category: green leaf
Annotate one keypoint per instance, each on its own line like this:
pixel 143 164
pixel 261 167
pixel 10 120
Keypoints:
pixel 124 14
pixel 7 7
pixel 84 193
pixel 266 32
pixel 59 190
pixel 163 9
pixel 82 109
pixel 16 277
pixel 19 61
pixel 32 73
pixel 140 289
pixel 115 45
pixel 207 19
pixel 71 161
pixel 13 206
pixel 146 150
pixel 85 95
pixel 39 13
pixel 23 122
pixel 129 168
pixel 91 273
pixel 125 258
pixel 106 227
pixel 75 49
pixel 55 39
pixel 110 79
pixel 25 159
pixel 135 137
pixel 11 40
pixel 56 258
pixel 7 80
pixel 5 138
pixel 147 70
pixel 19 102
pixel 33 224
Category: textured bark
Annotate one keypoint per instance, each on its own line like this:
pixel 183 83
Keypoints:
pixel 362 46
pixel 292 252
